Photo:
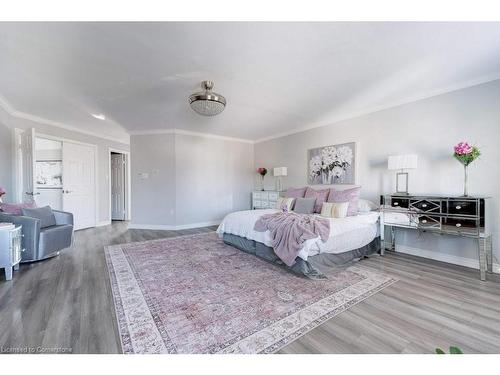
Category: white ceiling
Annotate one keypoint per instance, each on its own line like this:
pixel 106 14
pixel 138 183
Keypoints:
pixel 277 77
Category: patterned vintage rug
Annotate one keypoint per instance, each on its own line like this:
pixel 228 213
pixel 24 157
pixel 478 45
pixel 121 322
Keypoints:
pixel 195 294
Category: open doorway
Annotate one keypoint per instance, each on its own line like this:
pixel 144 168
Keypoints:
pixel 119 178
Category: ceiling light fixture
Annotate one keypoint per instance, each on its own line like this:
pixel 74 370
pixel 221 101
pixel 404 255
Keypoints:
pixel 207 103
pixel 99 116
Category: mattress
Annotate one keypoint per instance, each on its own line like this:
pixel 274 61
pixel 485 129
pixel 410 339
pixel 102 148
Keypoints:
pixel 346 234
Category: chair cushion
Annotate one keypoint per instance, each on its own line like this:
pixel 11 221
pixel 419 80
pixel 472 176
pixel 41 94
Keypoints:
pixel 304 205
pixel 54 238
pixel 45 215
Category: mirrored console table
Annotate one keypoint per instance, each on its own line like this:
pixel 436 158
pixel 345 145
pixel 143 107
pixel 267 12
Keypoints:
pixel 457 216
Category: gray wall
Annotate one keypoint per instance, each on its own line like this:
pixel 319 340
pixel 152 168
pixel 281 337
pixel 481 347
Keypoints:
pixel 103 146
pixel 213 178
pixel 193 180
pixel 428 128
pixel 153 199
pixel 6 160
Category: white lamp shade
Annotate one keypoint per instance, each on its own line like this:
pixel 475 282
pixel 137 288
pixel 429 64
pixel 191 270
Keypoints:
pixel 402 162
pixel 280 171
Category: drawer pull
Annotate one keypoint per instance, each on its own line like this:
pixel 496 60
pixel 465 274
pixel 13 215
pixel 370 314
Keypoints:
pixel 396 203
pixel 458 207
pixel 458 225
pixel 424 205
pixel 424 221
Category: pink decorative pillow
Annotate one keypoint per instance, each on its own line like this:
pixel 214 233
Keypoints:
pixel 15 208
pixel 295 193
pixel 348 195
pixel 320 195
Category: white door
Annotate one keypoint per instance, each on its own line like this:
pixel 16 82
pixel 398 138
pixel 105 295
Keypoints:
pixel 79 193
pixel 117 187
pixel 29 192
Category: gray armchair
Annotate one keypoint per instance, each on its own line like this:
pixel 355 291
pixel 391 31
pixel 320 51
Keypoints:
pixel 40 243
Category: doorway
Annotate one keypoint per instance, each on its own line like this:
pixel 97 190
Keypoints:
pixel 57 172
pixel 119 186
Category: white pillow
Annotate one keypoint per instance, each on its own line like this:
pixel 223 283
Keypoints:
pixel 337 210
pixel 285 204
pixel 365 205
pixel 326 209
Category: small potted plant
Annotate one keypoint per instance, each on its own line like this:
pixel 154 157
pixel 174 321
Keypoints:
pixel 466 154
pixel 262 171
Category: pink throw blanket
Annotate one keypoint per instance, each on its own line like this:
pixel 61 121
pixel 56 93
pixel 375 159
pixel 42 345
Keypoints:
pixel 290 230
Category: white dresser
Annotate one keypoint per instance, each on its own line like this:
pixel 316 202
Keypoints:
pixel 10 249
pixel 264 199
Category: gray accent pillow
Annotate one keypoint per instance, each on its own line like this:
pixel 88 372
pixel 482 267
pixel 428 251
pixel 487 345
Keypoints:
pixel 45 215
pixel 304 205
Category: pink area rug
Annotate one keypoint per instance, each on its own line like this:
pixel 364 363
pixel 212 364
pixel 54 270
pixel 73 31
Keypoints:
pixel 195 294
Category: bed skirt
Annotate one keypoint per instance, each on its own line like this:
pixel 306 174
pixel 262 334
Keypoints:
pixel 316 267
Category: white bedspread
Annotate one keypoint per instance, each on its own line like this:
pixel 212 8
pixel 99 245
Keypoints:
pixel 346 234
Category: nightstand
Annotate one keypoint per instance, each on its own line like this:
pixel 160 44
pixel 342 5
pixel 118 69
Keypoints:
pixel 456 216
pixel 10 249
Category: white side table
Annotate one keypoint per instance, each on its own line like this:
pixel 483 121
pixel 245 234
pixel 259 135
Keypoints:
pixel 10 249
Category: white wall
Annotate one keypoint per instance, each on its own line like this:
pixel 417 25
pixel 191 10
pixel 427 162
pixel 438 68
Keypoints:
pixel 198 180
pixel 103 146
pixel 428 128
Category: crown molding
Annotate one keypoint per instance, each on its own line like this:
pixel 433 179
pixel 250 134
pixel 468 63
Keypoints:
pixel 191 133
pixel 7 107
pixel 416 98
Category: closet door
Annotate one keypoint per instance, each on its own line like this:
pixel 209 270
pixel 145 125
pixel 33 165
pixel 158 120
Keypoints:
pixel 117 187
pixel 27 170
pixel 79 183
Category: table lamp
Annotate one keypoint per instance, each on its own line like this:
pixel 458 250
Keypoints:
pixel 279 172
pixel 402 163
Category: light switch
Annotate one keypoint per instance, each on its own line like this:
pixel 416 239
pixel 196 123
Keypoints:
pixel 143 176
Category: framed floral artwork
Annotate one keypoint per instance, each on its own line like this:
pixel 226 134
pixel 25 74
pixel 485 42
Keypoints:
pixel 332 164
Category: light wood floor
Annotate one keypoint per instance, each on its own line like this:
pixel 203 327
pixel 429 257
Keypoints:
pixel 66 302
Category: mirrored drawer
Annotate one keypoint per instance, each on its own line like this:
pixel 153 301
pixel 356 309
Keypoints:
pixel 400 202
pixel 273 196
pixel 257 203
pixel 426 205
pixel 460 226
pixel 429 222
pixel 462 207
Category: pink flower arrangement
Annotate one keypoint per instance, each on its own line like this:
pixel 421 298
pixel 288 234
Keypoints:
pixel 262 171
pixel 466 153
pixel 463 148
pixel 2 191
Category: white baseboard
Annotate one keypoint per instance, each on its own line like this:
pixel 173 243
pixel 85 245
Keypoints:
pixel 103 223
pixel 173 227
pixel 443 257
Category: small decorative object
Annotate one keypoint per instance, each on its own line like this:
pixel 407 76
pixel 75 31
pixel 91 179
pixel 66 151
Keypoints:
pixel 2 192
pixel 332 164
pixel 401 163
pixel 262 171
pixel 453 350
pixel 466 154
pixel 279 172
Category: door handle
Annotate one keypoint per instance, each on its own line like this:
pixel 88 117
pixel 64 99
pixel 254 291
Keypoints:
pixel 31 193
pixel 67 191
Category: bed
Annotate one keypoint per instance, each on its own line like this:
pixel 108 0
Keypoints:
pixel 351 238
